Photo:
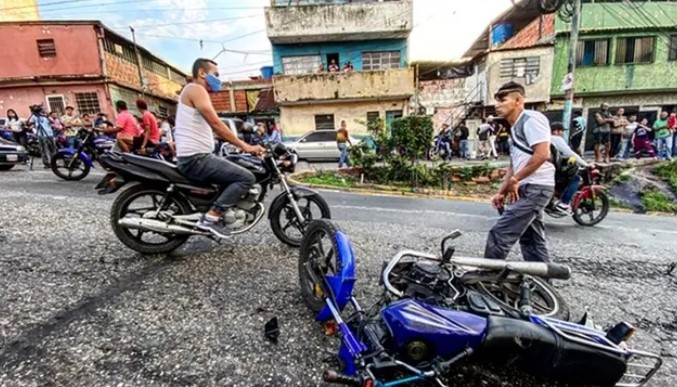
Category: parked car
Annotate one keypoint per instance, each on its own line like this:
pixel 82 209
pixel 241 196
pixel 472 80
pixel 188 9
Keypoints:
pixel 317 145
pixel 11 154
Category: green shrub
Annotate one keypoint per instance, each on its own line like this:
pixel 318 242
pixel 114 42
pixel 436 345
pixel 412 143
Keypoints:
pixel 654 200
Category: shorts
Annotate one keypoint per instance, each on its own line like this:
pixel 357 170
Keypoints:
pixel 602 138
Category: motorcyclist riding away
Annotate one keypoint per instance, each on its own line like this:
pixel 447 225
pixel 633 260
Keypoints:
pixel 565 151
pixel 195 121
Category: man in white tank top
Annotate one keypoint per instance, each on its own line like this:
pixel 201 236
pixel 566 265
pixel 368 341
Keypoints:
pixel 195 121
pixel 529 182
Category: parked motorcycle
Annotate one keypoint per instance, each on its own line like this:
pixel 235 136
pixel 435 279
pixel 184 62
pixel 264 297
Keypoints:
pixel 432 325
pixel 438 149
pixel 160 207
pixel 590 204
pixel 74 163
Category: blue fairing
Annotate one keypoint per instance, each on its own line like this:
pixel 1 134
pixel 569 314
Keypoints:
pixel 448 331
pixel 342 283
pixel 82 156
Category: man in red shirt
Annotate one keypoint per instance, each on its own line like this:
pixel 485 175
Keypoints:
pixel 126 127
pixel 151 132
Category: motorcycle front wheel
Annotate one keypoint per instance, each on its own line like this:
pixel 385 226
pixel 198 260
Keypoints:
pixel 286 225
pixel 140 201
pixel 590 212
pixel 62 167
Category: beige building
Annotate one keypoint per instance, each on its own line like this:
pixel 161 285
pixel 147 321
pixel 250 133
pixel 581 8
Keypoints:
pixel 322 101
pixel 19 10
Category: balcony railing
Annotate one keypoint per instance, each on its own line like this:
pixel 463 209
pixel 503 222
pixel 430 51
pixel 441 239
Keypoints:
pixel 373 85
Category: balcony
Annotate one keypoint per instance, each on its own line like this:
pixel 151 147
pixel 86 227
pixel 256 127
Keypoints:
pixel 334 87
pixel 307 21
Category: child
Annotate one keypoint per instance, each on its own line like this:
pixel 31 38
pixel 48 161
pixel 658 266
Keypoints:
pixel 640 140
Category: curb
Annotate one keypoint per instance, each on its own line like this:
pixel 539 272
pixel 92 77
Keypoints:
pixel 473 199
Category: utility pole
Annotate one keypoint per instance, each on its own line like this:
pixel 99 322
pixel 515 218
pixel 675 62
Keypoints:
pixel 569 79
pixel 138 64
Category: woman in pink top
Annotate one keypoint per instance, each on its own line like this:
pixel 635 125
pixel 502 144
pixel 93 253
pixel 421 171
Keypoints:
pixel 126 127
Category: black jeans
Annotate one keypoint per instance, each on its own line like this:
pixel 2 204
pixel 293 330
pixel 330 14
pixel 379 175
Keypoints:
pixel 522 221
pixel 208 168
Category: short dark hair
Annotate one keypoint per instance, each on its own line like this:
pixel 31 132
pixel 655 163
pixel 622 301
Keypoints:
pixel 122 105
pixel 510 87
pixel 556 126
pixel 141 104
pixel 201 63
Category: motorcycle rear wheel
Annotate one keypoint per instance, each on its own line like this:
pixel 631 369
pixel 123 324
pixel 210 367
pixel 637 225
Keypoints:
pixel 120 209
pixel 318 256
pixel 60 161
pixel 545 299
pixel 583 210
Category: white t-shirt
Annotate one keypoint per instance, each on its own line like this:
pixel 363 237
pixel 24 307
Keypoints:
pixel 536 129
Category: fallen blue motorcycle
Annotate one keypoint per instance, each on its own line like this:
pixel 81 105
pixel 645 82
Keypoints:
pixel 431 321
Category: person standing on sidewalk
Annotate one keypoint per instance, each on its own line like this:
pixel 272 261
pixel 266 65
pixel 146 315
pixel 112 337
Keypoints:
pixel 463 133
pixel 43 129
pixel 528 184
pixel 663 137
pixel 672 125
pixel 602 134
pixel 626 140
pixel 342 137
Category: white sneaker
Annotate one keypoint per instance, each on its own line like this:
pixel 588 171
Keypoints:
pixel 563 207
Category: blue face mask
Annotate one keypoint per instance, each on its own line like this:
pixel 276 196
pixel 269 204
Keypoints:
pixel 213 82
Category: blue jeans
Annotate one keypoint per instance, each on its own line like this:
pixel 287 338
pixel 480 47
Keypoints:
pixel 624 153
pixel 664 147
pixel 674 144
pixel 465 149
pixel 208 168
pixel 568 193
pixel 343 157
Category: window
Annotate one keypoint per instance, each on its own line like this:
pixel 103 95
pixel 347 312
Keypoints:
pixel 372 117
pixel 153 66
pixel 635 50
pixel 324 122
pixel 178 78
pixel 592 52
pixel 672 50
pixel 87 103
pixel 56 103
pixel 46 48
pixel 520 67
pixel 119 48
pixel 322 136
pixel 163 111
pixel 296 65
pixel 380 60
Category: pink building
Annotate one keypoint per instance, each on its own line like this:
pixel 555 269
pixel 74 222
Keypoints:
pixel 82 64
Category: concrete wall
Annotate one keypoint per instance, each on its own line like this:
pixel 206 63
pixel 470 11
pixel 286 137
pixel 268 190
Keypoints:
pixel 347 51
pixel 13 10
pixel 656 76
pixel 333 86
pixel 130 96
pixel 76 51
pixel 316 23
pixel 299 119
pixel 619 15
pixel 127 74
pixel 443 99
pixel 19 98
pixel 538 91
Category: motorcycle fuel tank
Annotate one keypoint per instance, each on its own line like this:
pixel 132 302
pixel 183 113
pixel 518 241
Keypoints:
pixel 251 163
pixel 447 331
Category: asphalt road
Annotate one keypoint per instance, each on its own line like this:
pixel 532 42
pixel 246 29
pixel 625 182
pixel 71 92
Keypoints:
pixel 78 308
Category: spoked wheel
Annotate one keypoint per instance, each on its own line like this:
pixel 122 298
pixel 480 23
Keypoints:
pixel 139 201
pixel 317 260
pixel 591 211
pixel 433 154
pixel 63 168
pixel 286 225
pixel 545 301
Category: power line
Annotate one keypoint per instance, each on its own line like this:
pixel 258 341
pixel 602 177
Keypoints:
pixel 127 11
pixel 44 5
pixel 189 22
pixel 204 40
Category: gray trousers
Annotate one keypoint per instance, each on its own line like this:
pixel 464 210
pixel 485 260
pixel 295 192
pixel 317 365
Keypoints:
pixel 47 149
pixel 208 168
pixel 522 221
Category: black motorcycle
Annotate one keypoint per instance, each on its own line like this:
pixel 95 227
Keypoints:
pixel 160 207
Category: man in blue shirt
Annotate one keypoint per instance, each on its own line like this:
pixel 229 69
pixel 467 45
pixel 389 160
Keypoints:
pixel 43 129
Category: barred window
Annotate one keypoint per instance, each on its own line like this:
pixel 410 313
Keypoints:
pixel 381 60
pixel 592 52
pixel 672 53
pixel 46 48
pixel 520 67
pixel 119 48
pixel 87 102
pixel 635 50
pixel 302 64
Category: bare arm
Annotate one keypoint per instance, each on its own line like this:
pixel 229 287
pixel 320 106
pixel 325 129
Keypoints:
pixel 540 156
pixel 506 179
pixel 200 99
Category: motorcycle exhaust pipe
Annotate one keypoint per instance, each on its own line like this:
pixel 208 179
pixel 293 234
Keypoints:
pixel 156 226
pixel 539 269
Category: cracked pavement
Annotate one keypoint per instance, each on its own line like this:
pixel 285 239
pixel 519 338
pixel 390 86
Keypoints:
pixel 78 308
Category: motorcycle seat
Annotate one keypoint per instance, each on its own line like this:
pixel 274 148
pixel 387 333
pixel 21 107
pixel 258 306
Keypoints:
pixel 168 170
pixel 539 351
